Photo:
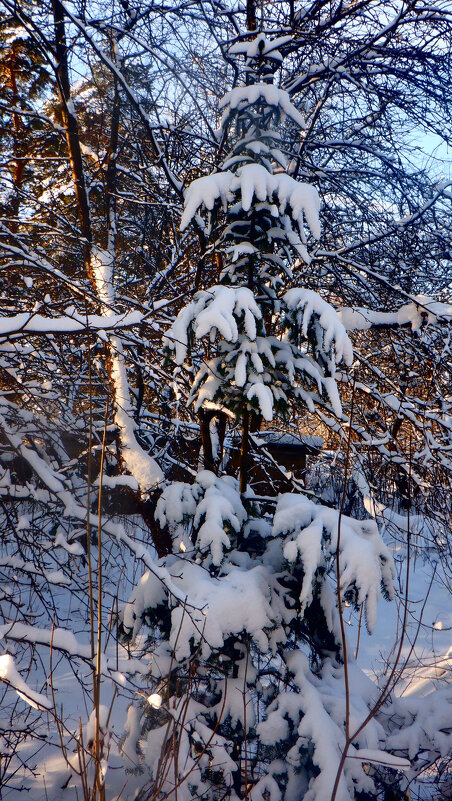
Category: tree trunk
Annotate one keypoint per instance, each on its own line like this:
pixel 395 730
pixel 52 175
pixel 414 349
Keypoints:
pixel 72 135
pixel 244 449
pixel 19 144
pixel 101 279
pixel 251 15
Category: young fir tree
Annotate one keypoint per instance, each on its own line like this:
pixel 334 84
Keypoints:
pixel 248 696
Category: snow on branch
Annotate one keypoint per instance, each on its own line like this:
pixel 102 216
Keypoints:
pixel 422 311
pixel 10 675
pixel 70 323
pixel 219 607
pixel 56 577
pixel 243 96
pixel 260 46
pixel 374 756
pixel 213 503
pixel 254 180
pixel 248 358
pixel 366 563
pixel 309 303
pixel 319 706
pixel 65 641
pixel 214 311
pixel 231 312
pixel 206 191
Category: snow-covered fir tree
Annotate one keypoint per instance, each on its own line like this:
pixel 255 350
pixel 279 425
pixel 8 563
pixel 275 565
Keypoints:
pixel 249 697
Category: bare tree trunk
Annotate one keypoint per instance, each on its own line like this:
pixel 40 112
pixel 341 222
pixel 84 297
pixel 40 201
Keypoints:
pixel 206 441
pixel 99 265
pixel 72 135
pixel 19 144
pixel 251 15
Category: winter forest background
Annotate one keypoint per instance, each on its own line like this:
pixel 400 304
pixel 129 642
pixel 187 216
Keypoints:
pixel 225 407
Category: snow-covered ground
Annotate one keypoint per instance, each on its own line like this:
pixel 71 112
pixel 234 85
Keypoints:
pixel 427 650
